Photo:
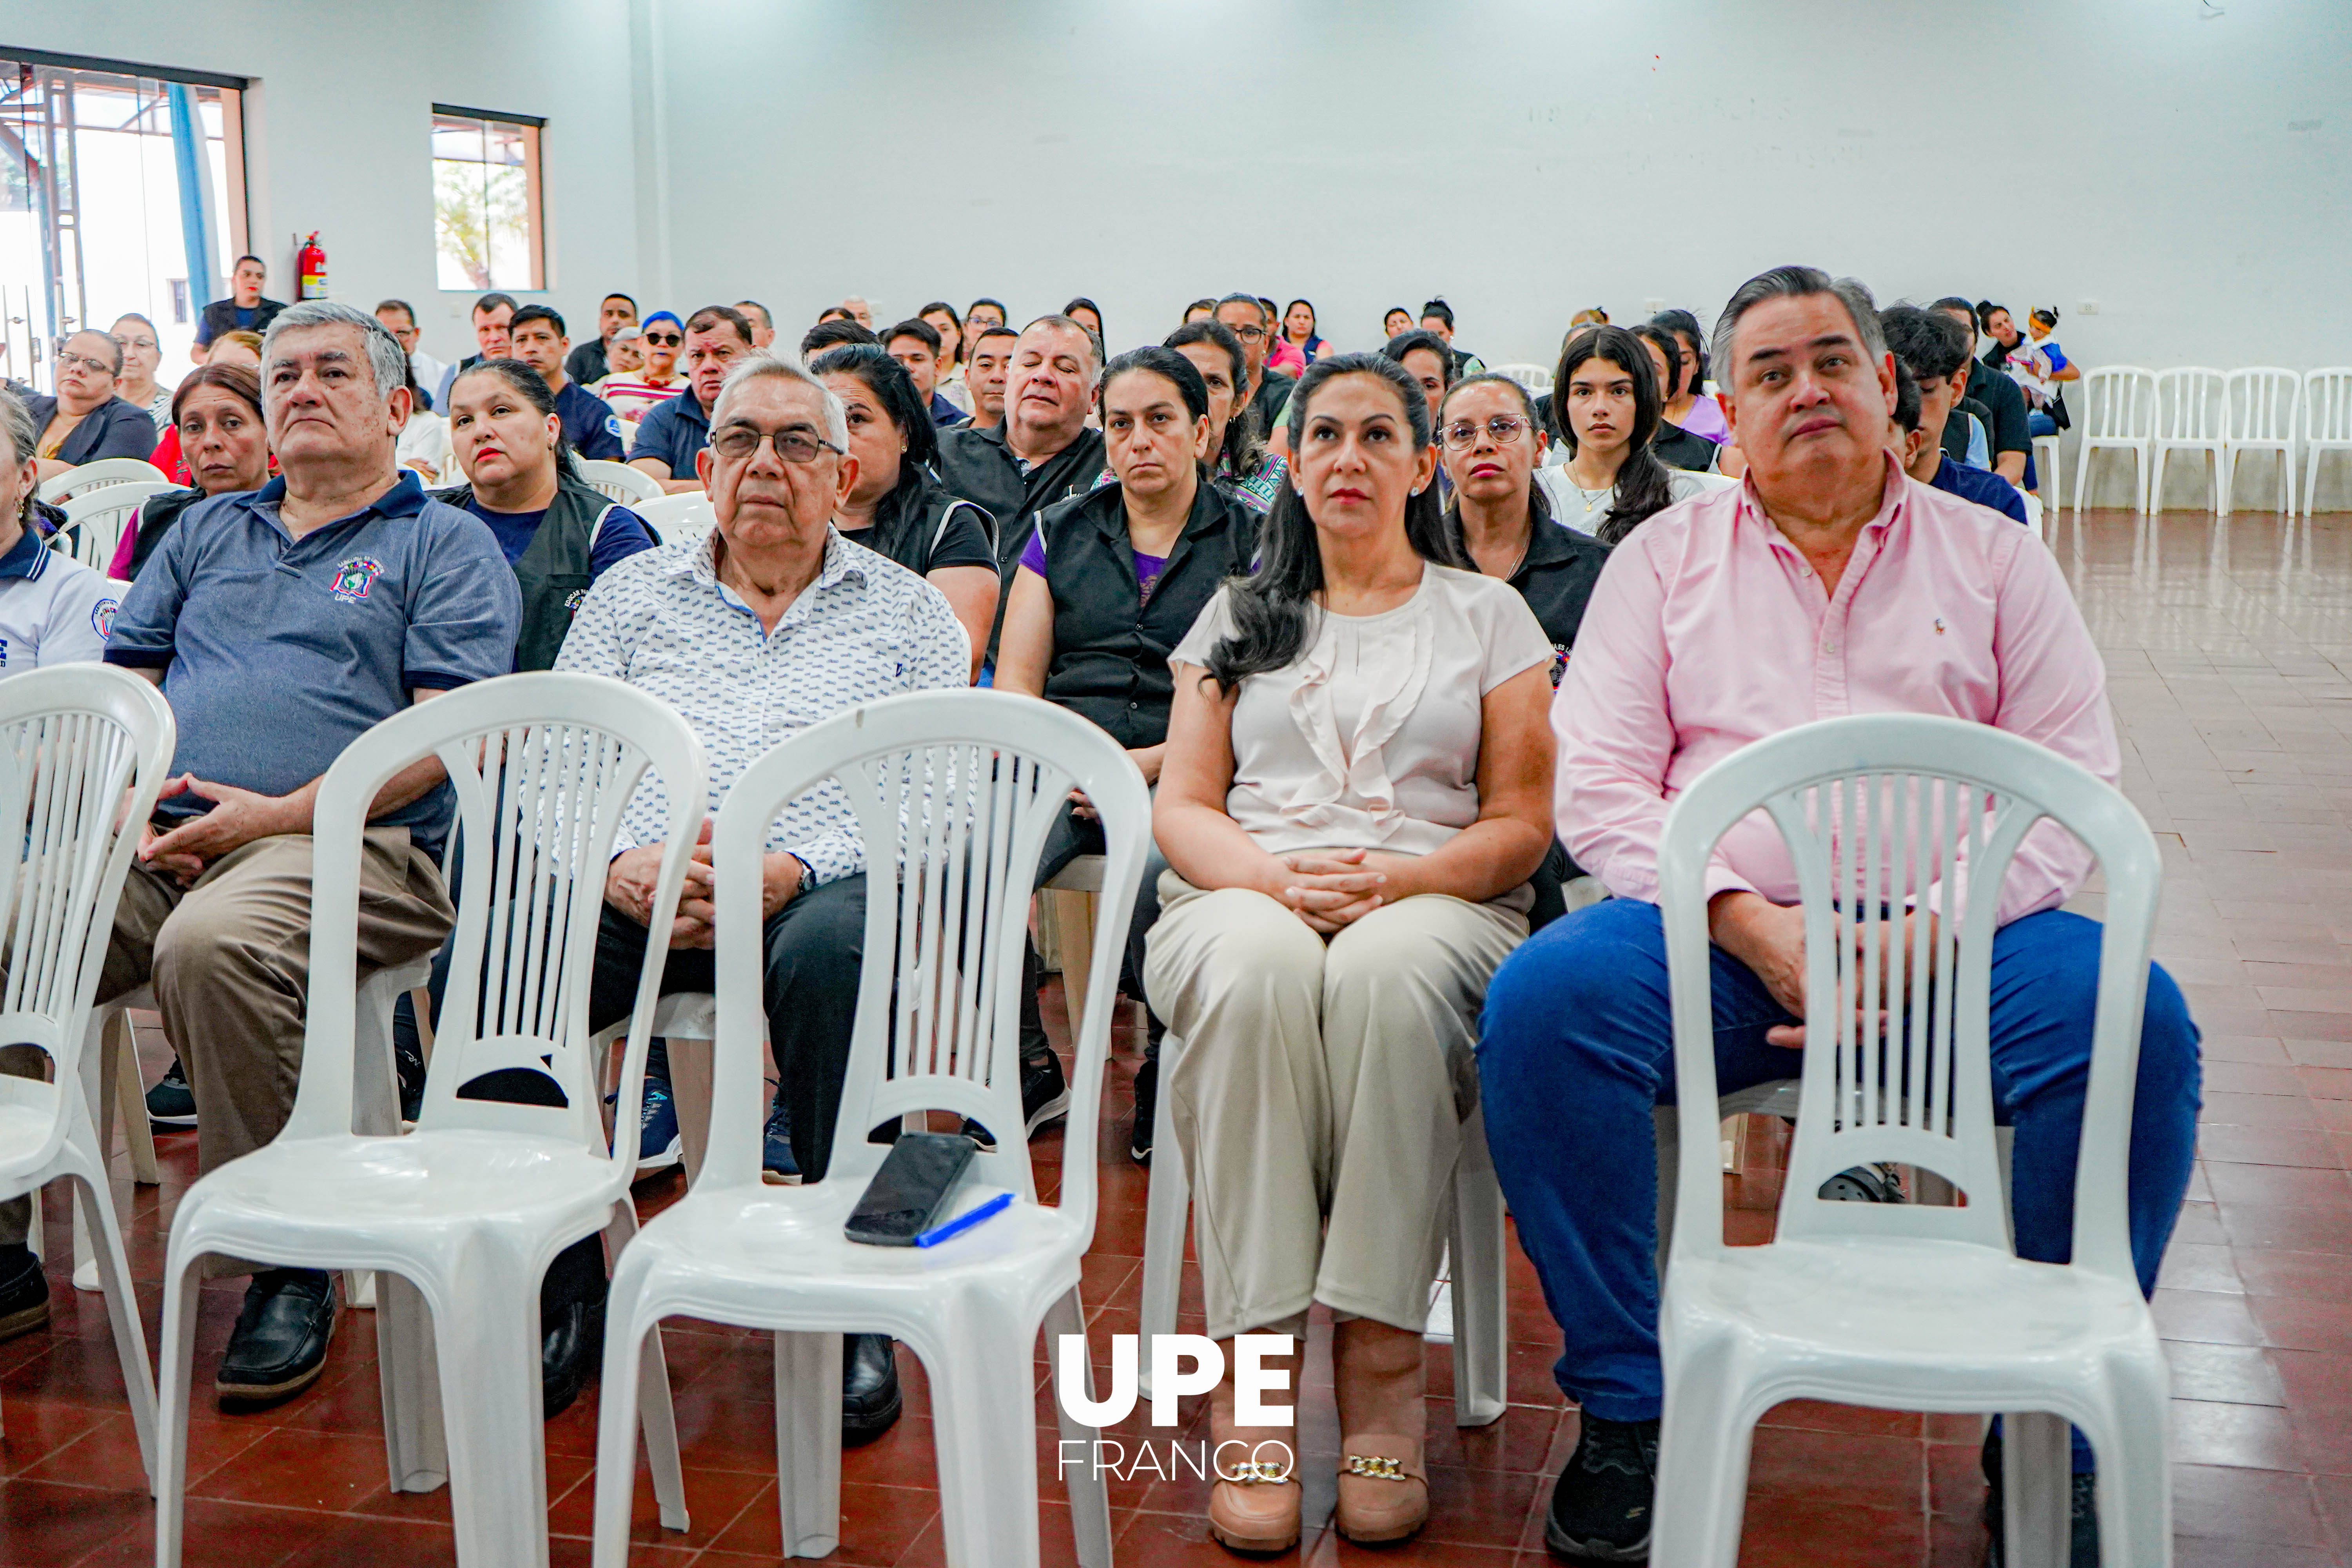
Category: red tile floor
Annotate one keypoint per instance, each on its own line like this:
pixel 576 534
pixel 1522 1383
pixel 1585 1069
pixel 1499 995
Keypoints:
pixel 2227 650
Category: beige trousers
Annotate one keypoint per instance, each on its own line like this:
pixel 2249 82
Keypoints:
pixel 230 960
pixel 1319 1095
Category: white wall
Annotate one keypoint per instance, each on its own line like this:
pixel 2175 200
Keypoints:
pixel 1526 158
pixel 338 117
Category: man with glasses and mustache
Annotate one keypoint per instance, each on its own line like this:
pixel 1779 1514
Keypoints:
pixel 770 624
pixel 86 421
pixel 673 433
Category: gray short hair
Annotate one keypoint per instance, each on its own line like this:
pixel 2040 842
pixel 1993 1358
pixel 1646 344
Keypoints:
pixel 386 356
pixel 1788 283
pixel 16 427
pixel 768 364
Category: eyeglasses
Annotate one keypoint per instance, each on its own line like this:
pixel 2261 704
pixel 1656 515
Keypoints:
pixel 1249 335
pixel 67 360
pixel 741 444
pixel 136 342
pixel 1504 428
pixel 663 340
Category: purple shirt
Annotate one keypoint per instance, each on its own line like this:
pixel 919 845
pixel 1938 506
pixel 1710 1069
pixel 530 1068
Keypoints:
pixel 1148 568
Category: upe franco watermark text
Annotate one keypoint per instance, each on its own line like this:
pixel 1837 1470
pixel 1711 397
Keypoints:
pixel 1180 1365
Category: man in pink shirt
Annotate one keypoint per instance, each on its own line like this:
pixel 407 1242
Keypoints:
pixel 1827 582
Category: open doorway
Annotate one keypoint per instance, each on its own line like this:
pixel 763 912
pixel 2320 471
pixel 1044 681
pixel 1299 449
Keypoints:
pixel 121 190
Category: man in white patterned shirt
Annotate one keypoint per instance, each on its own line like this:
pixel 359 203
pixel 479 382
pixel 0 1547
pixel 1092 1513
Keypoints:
pixel 771 624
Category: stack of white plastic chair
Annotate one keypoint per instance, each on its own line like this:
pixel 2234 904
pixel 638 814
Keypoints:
pixel 2192 415
pixel 1905 1306
pixel 683 518
pixel 464 1213
pixel 2261 408
pixel 74 481
pixel 953 793
pixel 2326 422
pixel 2118 415
pixel 78 744
pixel 620 482
pixel 95 517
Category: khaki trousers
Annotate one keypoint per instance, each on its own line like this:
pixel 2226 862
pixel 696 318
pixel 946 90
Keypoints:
pixel 230 959
pixel 1320 1096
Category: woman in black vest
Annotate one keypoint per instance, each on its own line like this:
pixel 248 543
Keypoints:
pixel 1107 586
pixel 896 508
pixel 216 412
pixel 559 534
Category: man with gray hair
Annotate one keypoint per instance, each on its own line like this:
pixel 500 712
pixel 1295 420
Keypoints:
pixel 282 623
pixel 771 623
pixel 1828 583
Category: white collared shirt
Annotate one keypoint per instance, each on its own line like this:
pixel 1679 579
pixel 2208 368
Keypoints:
pixel 866 628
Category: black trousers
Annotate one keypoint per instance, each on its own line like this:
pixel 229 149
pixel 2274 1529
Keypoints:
pixel 815 947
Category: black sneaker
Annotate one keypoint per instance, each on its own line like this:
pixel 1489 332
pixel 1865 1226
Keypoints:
pixel 1147 1112
pixel 24 1292
pixel 172 1103
pixel 777 1165
pixel 572 1347
pixel 2082 1514
pixel 1044 1092
pixel 279 1344
pixel 1601 1506
pixel 870 1399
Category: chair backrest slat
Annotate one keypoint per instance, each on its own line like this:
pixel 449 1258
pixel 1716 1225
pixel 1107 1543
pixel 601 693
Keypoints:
pixel 2119 402
pixel 2190 404
pixel 2328 406
pixel 2263 404
pixel 1901 829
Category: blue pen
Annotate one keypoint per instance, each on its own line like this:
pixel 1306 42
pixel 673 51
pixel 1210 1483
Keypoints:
pixel 965 1221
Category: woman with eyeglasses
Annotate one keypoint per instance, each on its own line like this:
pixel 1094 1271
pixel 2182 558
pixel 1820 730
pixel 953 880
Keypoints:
pixel 1356 789
pixel 631 394
pixel 1605 401
pixel 1239 464
pixel 895 507
pixel 142 356
pixel 86 422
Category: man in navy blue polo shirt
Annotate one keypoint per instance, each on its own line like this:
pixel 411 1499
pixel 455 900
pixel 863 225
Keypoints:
pixel 672 433
pixel 282 623
pixel 1932 351
pixel 536 337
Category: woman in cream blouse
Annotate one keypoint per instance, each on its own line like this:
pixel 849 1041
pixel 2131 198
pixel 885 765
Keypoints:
pixel 1356 789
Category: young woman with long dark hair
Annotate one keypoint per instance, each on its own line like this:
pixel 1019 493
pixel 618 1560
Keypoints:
pixel 1605 402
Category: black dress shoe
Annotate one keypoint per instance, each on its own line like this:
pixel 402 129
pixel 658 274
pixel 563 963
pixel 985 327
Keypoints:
pixel 24 1292
pixel 869 1386
pixel 573 1346
pixel 280 1344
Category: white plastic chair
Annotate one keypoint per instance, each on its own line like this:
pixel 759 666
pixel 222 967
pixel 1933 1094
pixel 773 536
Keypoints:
pixel 82 747
pixel 2048 468
pixel 2118 415
pixel 684 516
pixel 1536 378
pixel 620 482
pixel 628 434
pixel 105 471
pixel 2192 416
pixel 1908 1307
pixel 2260 409
pixel 2326 422
pixel 100 514
pixel 464 1215
pixel 977 779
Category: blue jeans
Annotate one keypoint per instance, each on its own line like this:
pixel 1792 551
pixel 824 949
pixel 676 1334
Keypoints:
pixel 2039 423
pixel 1578 1047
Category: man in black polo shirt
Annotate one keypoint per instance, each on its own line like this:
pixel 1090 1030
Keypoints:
pixel 672 433
pixel 1269 389
pixel 592 361
pixel 536 337
pixel 1040 452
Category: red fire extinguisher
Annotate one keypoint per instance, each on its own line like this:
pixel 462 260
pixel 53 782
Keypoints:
pixel 310 269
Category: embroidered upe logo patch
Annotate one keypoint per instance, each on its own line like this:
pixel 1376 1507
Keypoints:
pixel 101 618
pixel 355 577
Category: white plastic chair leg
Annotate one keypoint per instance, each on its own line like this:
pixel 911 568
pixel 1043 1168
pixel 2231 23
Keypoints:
pixel 171 1473
pixel 658 1417
pixel 85 1258
pixel 808 1441
pixel 490 1353
pixel 1090 1495
pixel 984 1424
pixel 1481 1307
pixel 2135 1504
pixel 2036 1462
pixel 1073 922
pixel 113 1277
pixel 1169 1202
pixel 691 1092
pixel 617 1426
pixel 120 1097
pixel 1704 1443
pixel 408 1368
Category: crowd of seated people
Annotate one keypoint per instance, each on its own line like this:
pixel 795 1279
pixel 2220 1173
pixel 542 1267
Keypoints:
pixel 1412 660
